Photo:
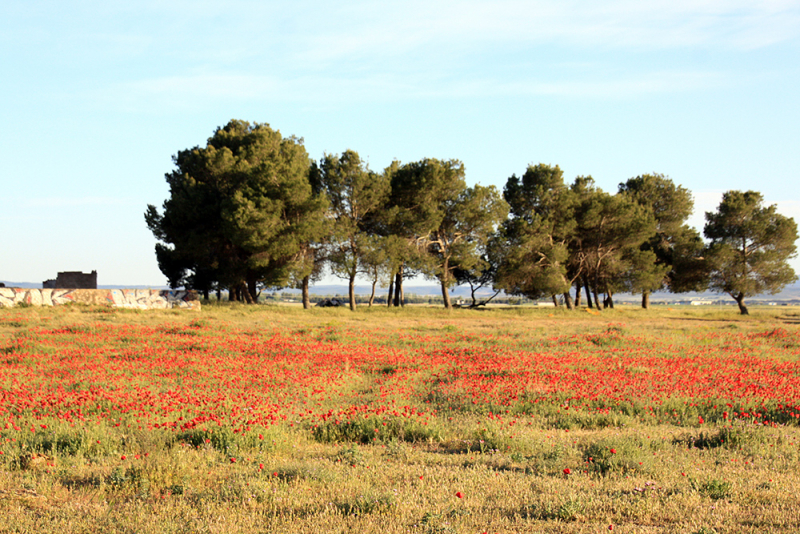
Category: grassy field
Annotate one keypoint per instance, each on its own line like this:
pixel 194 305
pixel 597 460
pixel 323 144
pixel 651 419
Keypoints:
pixel 276 419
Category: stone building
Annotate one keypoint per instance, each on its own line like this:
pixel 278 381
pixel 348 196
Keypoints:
pixel 72 280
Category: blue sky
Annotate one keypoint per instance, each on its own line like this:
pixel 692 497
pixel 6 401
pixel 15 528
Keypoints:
pixel 97 96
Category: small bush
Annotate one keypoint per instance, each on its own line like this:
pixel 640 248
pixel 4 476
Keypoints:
pixel 724 437
pixel 569 510
pixel 605 456
pixel 221 439
pixel 373 429
pixel 69 444
pixel 365 504
pixel 714 489
pixel 586 421
pixel 350 455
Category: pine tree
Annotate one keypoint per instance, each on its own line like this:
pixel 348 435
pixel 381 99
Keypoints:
pixel 240 210
pixel 750 247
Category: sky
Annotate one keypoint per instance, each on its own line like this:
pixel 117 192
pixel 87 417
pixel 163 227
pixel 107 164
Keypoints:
pixel 96 97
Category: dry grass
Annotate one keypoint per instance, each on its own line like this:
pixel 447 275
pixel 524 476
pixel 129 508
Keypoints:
pixel 663 478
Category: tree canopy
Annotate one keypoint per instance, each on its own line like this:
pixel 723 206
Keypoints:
pixel 239 211
pixel 750 247
pixel 251 210
pixel 537 237
pixel 662 261
pixel 355 195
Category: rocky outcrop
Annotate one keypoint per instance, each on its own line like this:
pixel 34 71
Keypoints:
pixel 141 299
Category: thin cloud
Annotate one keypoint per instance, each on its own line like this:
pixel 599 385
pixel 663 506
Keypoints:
pixel 193 90
pixel 309 33
pixel 431 26
pixel 367 51
pixel 71 202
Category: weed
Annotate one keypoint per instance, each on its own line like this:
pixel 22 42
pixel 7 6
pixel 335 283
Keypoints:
pixel 70 443
pixel 713 488
pixel 221 439
pixel 731 438
pixel 568 510
pixel 350 455
pixel 374 430
pixel 366 504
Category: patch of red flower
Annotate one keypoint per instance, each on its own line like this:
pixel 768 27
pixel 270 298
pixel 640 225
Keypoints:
pixel 179 378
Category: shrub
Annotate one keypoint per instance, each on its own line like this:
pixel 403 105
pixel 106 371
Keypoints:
pixel 373 429
pixel 725 437
pixel 222 439
pixel 714 489
pixel 69 444
pixel 366 504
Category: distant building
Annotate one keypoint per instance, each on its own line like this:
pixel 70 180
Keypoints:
pixel 72 280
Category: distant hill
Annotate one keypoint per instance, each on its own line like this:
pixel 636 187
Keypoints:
pixel 791 292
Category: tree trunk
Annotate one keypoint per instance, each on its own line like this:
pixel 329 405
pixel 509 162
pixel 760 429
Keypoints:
pixel 391 292
pixel 446 296
pixel 306 298
pixel 233 294
pixel 398 288
pixel 596 299
pixel 219 294
pixel 351 292
pixel 588 293
pixel 443 280
pixel 487 301
pixel 578 296
pixel 609 300
pixel 251 291
pixel 205 293
pixel 568 301
pixel 555 301
pixel 646 300
pixel 740 301
pixel 244 290
pixel 372 295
